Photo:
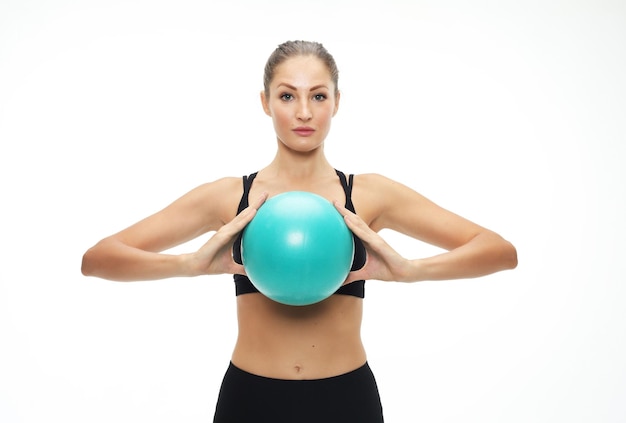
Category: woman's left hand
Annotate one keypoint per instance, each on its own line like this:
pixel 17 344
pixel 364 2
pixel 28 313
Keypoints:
pixel 382 262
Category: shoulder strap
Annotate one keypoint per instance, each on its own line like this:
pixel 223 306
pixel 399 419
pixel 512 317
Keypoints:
pixel 347 188
pixel 247 183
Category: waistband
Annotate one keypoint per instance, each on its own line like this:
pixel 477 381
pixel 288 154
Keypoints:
pixel 358 372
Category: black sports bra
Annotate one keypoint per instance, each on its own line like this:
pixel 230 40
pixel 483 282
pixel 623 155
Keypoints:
pixel 243 285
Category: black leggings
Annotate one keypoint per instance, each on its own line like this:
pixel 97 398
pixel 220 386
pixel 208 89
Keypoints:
pixel 248 398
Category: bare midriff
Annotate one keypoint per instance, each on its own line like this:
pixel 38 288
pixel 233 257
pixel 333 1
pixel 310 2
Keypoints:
pixel 299 342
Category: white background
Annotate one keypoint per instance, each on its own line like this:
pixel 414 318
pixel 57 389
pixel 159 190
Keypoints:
pixel 509 113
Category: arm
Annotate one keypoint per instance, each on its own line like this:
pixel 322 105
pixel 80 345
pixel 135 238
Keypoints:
pixel 472 250
pixel 134 254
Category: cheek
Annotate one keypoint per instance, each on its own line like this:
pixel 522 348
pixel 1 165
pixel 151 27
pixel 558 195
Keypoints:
pixel 326 115
pixel 281 120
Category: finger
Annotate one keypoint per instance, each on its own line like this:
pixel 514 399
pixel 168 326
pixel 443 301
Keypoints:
pixel 358 226
pixel 352 219
pixel 341 209
pixel 259 201
pixel 242 219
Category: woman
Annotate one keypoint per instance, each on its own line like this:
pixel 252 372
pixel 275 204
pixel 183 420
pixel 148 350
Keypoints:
pixel 300 363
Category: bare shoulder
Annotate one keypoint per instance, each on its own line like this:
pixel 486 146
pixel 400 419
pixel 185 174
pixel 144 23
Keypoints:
pixel 386 191
pixel 204 208
pixel 375 196
pixel 217 199
pixel 385 203
pixel 376 182
pixel 221 186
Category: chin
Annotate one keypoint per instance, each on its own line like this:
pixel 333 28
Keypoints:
pixel 303 146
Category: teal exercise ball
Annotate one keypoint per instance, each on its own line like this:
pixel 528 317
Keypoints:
pixel 297 250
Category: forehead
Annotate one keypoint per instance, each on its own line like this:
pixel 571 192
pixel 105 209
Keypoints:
pixel 302 72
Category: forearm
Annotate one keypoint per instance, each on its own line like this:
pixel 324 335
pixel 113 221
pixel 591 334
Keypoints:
pixel 485 254
pixel 113 260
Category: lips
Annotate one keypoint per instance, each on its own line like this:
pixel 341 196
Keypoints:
pixel 304 131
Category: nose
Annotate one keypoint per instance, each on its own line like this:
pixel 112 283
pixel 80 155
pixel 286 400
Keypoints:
pixel 303 112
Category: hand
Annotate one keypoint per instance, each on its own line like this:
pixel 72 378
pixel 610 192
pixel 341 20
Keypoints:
pixel 383 262
pixel 215 256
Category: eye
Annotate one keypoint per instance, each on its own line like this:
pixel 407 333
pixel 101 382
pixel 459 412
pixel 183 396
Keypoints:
pixel 286 97
pixel 319 97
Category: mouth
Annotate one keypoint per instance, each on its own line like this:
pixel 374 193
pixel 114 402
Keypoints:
pixel 304 131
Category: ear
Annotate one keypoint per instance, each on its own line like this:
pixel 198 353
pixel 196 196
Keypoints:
pixel 264 103
pixel 337 97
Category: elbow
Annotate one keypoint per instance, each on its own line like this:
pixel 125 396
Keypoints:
pixel 87 267
pixel 502 253
pixel 101 261
pixel 93 261
pixel 509 256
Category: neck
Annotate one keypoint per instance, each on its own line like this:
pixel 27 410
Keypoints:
pixel 299 165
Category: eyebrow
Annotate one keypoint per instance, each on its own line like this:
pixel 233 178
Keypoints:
pixel 291 87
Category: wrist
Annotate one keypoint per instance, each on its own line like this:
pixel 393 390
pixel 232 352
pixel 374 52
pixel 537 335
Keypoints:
pixel 415 271
pixel 188 265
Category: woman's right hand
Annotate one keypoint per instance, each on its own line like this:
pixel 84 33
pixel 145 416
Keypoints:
pixel 137 253
pixel 215 256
